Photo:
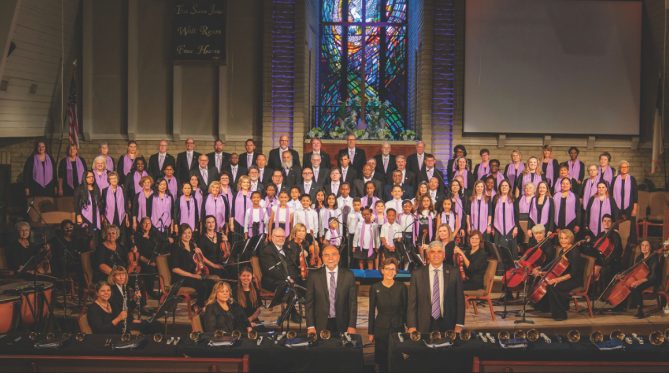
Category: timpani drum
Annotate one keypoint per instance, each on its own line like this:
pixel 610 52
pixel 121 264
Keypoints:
pixel 26 291
pixel 9 315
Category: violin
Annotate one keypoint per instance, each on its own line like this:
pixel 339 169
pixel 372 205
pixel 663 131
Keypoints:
pixel 557 267
pixel 200 266
pixel 621 285
pixel 225 248
pixel 459 261
pixel 303 266
pixel 314 257
pixel 514 277
pixel 605 244
pixel 133 261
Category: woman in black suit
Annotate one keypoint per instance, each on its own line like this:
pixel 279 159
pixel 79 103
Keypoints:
pixel 389 298
pixel 222 312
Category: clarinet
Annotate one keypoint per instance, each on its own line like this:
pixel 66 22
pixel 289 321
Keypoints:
pixel 125 308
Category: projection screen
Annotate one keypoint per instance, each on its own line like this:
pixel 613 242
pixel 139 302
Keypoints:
pixel 552 66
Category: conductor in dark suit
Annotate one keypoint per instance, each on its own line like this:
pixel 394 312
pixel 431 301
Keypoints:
pixel 275 155
pixel 205 174
pixel 356 155
pixel 277 261
pixel 187 161
pixel 332 300
pixel 436 298
pixel 160 160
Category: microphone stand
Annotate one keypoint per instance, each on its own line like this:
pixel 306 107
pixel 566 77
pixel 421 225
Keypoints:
pixel 524 319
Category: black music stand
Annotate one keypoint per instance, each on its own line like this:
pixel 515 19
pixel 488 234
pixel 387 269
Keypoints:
pixel 504 256
pixel 169 305
pixel 287 292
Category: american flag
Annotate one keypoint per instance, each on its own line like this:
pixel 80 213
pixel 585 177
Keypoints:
pixel 72 117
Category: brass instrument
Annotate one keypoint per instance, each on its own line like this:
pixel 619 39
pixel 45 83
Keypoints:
pixel 236 335
pixel 532 335
pixel 617 335
pixel 33 336
pixel 158 337
pixel 449 335
pixel 519 334
pixel 125 337
pixel 312 338
pixel 597 337
pixel 574 336
pixel 252 335
pixel 50 336
pixel 465 335
pixel 436 337
pixel 415 336
pixel 325 334
pixel 503 336
pixel 291 334
pixel 194 336
pixel 657 338
pixel 79 337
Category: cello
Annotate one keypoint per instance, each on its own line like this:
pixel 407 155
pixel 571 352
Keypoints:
pixel 605 245
pixel 621 285
pixel 556 268
pixel 516 276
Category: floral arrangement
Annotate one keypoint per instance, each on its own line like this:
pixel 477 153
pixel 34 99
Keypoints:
pixel 407 135
pixel 316 133
pixel 338 133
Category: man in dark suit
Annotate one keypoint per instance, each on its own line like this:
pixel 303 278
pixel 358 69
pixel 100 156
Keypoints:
pixel 316 148
pixel 264 172
pixel 204 173
pixel 234 170
pixel 292 174
pixel 436 299
pixel 277 261
pixel 308 185
pixel 348 172
pixel 160 160
pixel 277 180
pixel 218 158
pixel 415 161
pixel 256 185
pixel 321 173
pixel 430 171
pixel 396 179
pixel 334 182
pixel 356 156
pixel 250 157
pixel 436 191
pixel 385 163
pixel 187 161
pixel 276 155
pixel 408 177
pixel 359 184
pixel 332 301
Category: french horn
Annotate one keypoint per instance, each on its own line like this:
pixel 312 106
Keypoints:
pixel 503 336
pixel 597 337
pixel 533 335
pixel 415 336
pixel 158 337
pixel 574 336
pixel 325 334
pixel 465 335
pixel 656 338
pixel 617 335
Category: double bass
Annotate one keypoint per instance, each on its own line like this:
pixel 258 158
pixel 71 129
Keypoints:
pixel 514 277
pixel 621 285
pixel 556 268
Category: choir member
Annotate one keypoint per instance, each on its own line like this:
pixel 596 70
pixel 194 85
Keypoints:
pixel 330 211
pixel 159 207
pixel 187 161
pixel 370 196
pixel 227 192
pixel 387 311
pixel 459 151
pixel 505 219
pixel 292 173
pixel 576 166
pixel 110 253
pixel 360 184
pixel 524 202
pixel 564 174
pixel 172 182
pixel 653 280
pixel 218 158
pixel 436 191
pixel 39 173
pixel 408 178
pixel 475 262
pixel 256 185
pixel 599 205
pixel 307 185
pixel 281 216
pixel 558 290
pixel 255 222
pixel 70 171
pixel 424 226
pixel 265 173
pixel 354 218
pixel 87 203
pixel 542 209
pixel 482 169
pixel 233 169
pixel 430 171
pixel 223 313
pixel 407 190
pixel 189 264
pixel 333 233
pixel 134 177
pixel 187 208
pixel 104 152
pixel 247 296
pixel 463 172
pixel 379 213
pixel 490 187
pixel 214 205
pixel 348 172
pixel 605 171
pixel 625 194
pixel 276 154
pixel 101 173
pixel 357 156
pixel 332 186
pixel 321 173
pixel 480 211
pixel 242 202
pixel 295 202
pixel 204 172
pixel 549 165
pixel 316 150
pixel 366 241
pixel 589 185
pixel 389 237
pixel 515 168
pixel 345 200
pixel 250 157
pixel 126 162
pixel 102 318
pixel 531 174
pixel 159 161
pixel 421 190
pixel 271 199
pixel 447 216
pixel 114 207
pixel 495 173
pixel 308 217
pixel 385 163
pixel 567 208
pixel 459 205
pixel 140 201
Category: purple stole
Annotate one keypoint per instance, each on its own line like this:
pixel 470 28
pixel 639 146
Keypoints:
pixel 42 171
pixel 512 173
pixel 172 185
pixel 527 178
pixel 261 216
pixel 370 250
pixel 622 197
pixel 286 222
pixel 270 203
pixel 500 177
pixel 127 164
pixel 523 205
pixel 448 219
pixel 544 210
pixel 241 203
pixel 161 211
pixel 607 175
pixel 482 170
pixel 70 172
pixel 137 177
pixel 597 210
pixel 549 171
pixel 457 203
pixel 570 214
pixel 430 226
pixel 557 187
pixel 187 211
pixel 365 201
pixel 504 216
pixel 589 190
pixel 101 179
pixel 87 211
pixel 334 238
pixel 377 218
pixel 113 207
pixel 574 168
pixel 141 202
pixel 479 214
pixel 464 175
pixel 109 163
pixel 215 206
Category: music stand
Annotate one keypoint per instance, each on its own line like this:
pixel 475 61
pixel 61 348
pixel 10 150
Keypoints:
pixel 169 304
pixel 504 256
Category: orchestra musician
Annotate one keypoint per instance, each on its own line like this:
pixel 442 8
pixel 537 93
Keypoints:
pixel 102 317
pixel 606 267
pixel 123 292
pixel 110 253
pixel 653 280
pixel 222 312
pixel 188 263
pixel 247 295
pixel 475 262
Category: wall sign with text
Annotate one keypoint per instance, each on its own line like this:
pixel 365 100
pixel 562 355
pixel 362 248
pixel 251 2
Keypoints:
pixel 199 30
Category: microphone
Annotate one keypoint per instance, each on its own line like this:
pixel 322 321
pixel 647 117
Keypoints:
pixel 30 205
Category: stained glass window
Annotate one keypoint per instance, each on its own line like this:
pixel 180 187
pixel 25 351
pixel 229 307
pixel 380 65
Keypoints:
pixel 362 68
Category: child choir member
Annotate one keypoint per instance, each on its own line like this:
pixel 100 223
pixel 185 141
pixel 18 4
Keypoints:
pixel 366 241
pixel 448 216
pixel 390 235
pixel 255 222
pixel 330 211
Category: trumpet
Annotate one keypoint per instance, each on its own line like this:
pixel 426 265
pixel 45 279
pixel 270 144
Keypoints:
pixel 533 335
pixel 325 334
pixel 465 335
pixel 415 336
pixel 503 336
pixel 617 335
pixel 574 336
pixel 597 337
pixel 657 338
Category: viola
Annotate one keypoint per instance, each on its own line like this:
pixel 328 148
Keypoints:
pixel 621 285
pixel 514 277
pixel 557 267
pixel 459 261
pixel 605 244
